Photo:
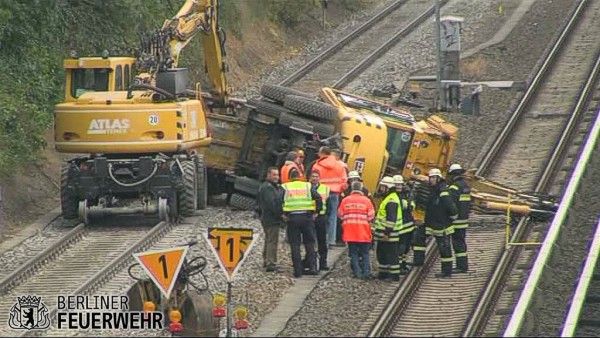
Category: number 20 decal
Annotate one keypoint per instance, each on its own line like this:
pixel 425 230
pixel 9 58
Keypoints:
pixel 153 120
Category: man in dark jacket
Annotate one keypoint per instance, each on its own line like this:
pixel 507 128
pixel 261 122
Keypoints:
pixel 269 204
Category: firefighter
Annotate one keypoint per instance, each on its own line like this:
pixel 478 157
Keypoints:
pixel 461 195
pixel 322 220
pixel 408 222
pixel 387 227
pixel 439 215
pixel 290 166
pixel 356 212
pixel 301 205
pixel 354 176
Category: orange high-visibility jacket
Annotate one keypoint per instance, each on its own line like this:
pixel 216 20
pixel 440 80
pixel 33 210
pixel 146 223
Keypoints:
pixel 285 172
pixel 356 212
pixel 332 173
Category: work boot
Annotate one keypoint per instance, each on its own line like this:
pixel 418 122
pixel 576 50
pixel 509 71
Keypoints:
pixel 323 265
pixel 443 275
pixel 404 269
pixel 462 264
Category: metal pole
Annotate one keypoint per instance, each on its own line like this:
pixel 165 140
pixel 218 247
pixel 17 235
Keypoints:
pixel 438 44
pixel 229 309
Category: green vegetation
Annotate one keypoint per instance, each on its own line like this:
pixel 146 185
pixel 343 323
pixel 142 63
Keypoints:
pixel 35 36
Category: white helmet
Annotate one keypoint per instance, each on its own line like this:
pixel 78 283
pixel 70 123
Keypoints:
pixel 398 179
pixel 435 172
pixel 455 167
pixel 353 174
pixel 388 181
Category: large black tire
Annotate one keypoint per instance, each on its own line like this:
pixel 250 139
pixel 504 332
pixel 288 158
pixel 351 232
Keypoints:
pixel 201 182
pixel 278 93
pixel 68 201
pixel 246 185
pixel 312 108
pixel 186 197
pixel 268 108
pixel 242 202
pixel 321 128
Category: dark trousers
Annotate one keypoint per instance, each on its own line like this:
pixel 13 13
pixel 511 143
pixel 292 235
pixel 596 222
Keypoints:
pixel 387 257
pixel 270 248
pixel 360 267
pixel 459 243
pixel 443 244
pixel 404 246
pixel 321 234
pixel 301 229
pixel 419 245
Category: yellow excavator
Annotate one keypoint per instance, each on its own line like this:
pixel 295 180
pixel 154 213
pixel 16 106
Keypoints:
pixel 139 130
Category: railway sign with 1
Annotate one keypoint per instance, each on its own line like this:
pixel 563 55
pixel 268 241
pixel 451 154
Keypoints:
pixel 163 266
pixel 231 247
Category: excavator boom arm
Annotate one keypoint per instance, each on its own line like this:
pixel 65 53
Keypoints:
pixel 162 49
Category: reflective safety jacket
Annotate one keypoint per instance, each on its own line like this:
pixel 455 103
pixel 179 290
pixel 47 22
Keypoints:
pixel 389 218
pixel 287 168
pixel 408 205
pixel 461 195
pixel 441 212
pixel 300 196
pixel 356 212
pixel 324 192
pixel 332 173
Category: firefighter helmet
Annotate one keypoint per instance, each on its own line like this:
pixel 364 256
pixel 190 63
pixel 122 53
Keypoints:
pixel 353 174
pixel 398 179
pixel 456 169
pixel 388 181
pixel 435 172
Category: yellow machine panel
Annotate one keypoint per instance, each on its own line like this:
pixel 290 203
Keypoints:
pixel 108 122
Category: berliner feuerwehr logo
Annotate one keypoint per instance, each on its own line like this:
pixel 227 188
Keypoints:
pixel 29 313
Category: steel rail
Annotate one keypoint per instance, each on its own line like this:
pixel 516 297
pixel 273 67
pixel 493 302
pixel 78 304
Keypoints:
pixel 27 269
pixel 585 279
pixel 481 314
pixel 519 314
pixel 312 64
pixel 115 266
pixel 371 58
pixel 508 257
pixel 520 109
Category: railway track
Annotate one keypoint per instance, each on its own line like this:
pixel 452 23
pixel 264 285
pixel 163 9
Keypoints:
pixel 81 261
pixel 523 151
pixel 346 59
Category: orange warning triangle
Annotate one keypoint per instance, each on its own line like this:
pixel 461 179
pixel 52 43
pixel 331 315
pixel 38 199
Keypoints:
pixel 163 266
pixel 231 246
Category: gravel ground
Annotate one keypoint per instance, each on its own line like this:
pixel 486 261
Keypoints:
pixel 30 247
pixel 337 305
pixel 513 59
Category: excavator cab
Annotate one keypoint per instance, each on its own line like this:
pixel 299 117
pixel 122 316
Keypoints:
pixel 97 74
